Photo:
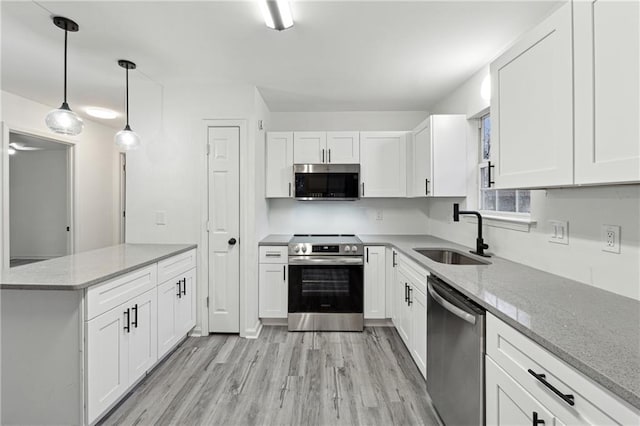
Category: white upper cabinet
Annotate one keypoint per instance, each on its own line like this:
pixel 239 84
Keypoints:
pixel 607 88
pixel 309 147
pixel 383 164
pixel 279 165
pixel 532 107
pixel 326 147
pixel 343 147
pixel 438 157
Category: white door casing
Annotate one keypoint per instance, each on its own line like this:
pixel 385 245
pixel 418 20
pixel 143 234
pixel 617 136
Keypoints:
pixel 224 227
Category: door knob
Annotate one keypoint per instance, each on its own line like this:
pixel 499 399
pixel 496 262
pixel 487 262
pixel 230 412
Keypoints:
pixel 232 242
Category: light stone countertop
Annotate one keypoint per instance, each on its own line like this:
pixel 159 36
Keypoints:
pixel 85 269
pixel 595 331
pixel 276 240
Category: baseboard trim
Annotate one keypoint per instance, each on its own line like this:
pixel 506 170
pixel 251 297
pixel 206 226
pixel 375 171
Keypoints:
pixel 386 322
pixel 253 333
pixel 275 321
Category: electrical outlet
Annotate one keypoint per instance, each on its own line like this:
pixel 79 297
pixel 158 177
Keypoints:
pixel 559 232
pixel 611 238
pixel 378 214
pixel 161 218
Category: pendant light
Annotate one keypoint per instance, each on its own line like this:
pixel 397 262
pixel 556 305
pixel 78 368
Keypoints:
pixel 63 120
pixel 126 139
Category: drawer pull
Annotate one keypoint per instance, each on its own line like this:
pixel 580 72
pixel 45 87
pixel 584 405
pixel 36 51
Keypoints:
pixel 127 327
pixel 536 420
pixel 134 323
pixel 273 255
pixel 568 398
pixel 184 286
pixel 179 294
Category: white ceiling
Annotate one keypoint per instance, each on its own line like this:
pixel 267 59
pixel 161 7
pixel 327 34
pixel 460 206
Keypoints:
pixel 339 56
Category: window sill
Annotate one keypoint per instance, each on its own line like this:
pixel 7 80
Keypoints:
pixel 506 221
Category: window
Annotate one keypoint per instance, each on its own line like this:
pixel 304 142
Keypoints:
pixel 516 201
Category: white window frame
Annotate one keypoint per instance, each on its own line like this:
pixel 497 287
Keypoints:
pixel 499 218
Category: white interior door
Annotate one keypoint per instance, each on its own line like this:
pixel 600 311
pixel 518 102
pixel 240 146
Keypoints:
pixel 224 229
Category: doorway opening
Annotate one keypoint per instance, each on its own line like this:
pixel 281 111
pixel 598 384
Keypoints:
pixel 40 199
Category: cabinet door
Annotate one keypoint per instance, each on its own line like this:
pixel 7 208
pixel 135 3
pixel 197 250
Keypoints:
pixel 419 329
pixel 143 337
pixel 532 107
pixel 107 360
pixel 343 147
pixel 383 164
pixel 279 165
pixel 607 107
pixel 186 309
pixel 508 404
pixel 167 305
pixel 273 290
pixel 374 282
pixel 449 155
pixel 402 309
pixel 421 159
pixel 309 147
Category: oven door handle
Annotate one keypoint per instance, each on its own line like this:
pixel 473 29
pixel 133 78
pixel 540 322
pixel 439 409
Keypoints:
pixel 326 260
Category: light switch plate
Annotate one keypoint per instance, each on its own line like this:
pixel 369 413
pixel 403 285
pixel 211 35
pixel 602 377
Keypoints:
pixel 611 238
pixel 161 218
pixel 559 232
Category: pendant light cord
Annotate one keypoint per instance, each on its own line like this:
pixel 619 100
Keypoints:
pixel 65 66
pixel 127 73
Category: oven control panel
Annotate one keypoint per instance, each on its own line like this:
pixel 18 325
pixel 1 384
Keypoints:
pixel 306 249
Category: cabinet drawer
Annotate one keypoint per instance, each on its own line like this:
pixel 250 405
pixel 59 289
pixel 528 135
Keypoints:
pixel 176 265
pixel 413 271
pixel 517 354
pixel 274 254
pixel 107 296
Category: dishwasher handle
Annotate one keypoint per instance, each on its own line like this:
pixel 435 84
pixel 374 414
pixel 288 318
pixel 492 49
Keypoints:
pixel 471 319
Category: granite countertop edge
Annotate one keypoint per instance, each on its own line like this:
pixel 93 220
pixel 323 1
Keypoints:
pixel 98 279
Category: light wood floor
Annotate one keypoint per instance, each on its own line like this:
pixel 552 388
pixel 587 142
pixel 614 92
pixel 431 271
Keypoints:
pixel 283 378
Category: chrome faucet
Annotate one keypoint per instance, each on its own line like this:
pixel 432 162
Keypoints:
pixel 480 244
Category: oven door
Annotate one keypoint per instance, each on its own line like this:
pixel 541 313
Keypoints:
pixel 326 284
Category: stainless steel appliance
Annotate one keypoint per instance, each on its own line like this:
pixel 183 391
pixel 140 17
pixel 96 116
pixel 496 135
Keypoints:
pixel 455 356
pixel 336 182
pixel 326 280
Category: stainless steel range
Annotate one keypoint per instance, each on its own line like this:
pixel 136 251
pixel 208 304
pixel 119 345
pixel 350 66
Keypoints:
pixel 326 280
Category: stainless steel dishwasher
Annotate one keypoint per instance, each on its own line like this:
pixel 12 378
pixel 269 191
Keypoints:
pixel 455 355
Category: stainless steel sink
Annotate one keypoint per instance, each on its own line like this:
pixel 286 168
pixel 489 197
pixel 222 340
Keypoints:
pixel 451 257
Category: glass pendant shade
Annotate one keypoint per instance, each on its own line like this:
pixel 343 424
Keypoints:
pixel 64 121
pixel 127 139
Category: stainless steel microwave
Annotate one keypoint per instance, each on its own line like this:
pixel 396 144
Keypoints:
pixel 326 181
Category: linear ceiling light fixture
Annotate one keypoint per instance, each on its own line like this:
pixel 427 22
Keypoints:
pixel 63 120
pixel 126 139
pixel 277 14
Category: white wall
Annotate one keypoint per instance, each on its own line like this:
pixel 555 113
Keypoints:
pixel 38 204
pixel 169 173
pixel 586 209
pixel 95 171
pixel 346 120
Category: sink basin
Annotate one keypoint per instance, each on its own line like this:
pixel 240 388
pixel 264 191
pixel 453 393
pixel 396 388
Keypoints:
pixel 451 257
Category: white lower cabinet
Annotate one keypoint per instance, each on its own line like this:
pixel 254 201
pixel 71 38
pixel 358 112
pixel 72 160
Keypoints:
pixel 107 361
pixel 508 404
pixel 176 310
pixel 410 310
pixel 121 348
pixel 273 282
pixel 557 392
pixel 374 282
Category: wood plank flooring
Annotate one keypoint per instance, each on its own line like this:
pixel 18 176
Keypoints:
pixel 282 378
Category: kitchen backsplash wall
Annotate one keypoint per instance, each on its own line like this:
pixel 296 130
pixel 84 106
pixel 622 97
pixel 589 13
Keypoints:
pixel 397 216
pixel 586 209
